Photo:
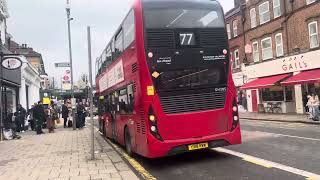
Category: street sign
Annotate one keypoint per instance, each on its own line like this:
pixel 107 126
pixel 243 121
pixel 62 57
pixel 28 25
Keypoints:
pixel 11 62
pixel 66 64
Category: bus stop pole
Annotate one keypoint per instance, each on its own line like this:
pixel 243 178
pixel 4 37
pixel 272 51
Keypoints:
pixel 90 93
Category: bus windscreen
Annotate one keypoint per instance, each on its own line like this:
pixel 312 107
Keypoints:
pixel 183 18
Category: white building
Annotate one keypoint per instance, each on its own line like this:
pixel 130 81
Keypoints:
pixel 3 16
pixel 29 91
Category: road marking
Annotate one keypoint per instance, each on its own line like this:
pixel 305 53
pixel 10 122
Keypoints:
pixel 299 137
pixel 257 162
pixel 135 164
pixel 308 175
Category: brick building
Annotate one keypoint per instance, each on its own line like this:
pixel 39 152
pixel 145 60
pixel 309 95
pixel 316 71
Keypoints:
pixel 276 52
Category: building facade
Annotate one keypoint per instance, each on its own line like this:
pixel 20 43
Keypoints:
pixel 10 79
pixel 279 52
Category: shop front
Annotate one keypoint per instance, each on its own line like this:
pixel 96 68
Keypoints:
pixel 10 90
pixel 284 85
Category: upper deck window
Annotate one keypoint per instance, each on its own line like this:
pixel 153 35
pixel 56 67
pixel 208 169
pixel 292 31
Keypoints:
pixel 183 18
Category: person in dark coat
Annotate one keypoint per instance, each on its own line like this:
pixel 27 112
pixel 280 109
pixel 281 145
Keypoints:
pixel 40 116
pixel 31 120
pixel 65 114
pixel 20 118
pixel 81 111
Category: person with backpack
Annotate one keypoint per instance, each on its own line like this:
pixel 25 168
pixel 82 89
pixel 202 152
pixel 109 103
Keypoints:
pixel 65 114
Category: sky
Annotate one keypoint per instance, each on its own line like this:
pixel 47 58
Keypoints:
pixel 42 24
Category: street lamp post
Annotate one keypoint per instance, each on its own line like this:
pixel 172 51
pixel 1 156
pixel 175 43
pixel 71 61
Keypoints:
pixel 70 56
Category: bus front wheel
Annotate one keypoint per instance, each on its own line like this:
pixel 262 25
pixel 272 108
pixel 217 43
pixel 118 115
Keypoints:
pixel 127 141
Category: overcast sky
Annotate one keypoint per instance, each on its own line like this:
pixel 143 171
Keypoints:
pixel 42 25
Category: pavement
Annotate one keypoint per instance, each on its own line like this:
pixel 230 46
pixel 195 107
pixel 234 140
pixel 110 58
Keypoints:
pixel 63 155
pixel 291 118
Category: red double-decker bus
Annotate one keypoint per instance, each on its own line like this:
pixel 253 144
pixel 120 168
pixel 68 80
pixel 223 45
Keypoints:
pixel 164 80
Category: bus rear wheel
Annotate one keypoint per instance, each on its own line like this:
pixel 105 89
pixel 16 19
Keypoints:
pixel 127 140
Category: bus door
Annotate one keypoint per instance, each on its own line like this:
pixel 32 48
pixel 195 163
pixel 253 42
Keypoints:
pixel 125 112
pixel 113 114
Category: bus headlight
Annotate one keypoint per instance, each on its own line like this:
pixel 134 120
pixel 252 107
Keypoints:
pixel 153 129
pixel 152 119
pixel 235 114
pixel 234 109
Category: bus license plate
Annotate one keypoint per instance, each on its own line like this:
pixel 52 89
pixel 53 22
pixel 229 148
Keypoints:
pixel 198 146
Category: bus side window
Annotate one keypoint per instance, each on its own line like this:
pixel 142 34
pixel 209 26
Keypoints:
pixel 123 101
pixel 130 99
pixel 118 44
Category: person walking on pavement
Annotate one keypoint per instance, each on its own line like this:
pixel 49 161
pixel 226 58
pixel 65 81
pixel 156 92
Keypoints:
pixel 65 114
pixel 31 120
pixel 81 111
pixel 39 116
pixel 20 118
pixel 51 117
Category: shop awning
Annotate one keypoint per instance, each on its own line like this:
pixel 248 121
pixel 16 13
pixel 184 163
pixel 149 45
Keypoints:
pixel 305 77
pixel 264 82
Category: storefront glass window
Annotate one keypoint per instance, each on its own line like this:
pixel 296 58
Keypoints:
pixel 276 93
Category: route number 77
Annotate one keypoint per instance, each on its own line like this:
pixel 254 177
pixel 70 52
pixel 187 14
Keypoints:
pixel 186 38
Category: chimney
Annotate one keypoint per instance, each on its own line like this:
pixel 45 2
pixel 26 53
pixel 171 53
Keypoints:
pixel 237 3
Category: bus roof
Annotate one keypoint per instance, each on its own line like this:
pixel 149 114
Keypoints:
pixel 180 3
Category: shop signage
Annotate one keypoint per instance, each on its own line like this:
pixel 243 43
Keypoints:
pixel 296 63
pixel 11 63
pixel 58 65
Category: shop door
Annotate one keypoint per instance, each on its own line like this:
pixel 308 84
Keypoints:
pixel 254 101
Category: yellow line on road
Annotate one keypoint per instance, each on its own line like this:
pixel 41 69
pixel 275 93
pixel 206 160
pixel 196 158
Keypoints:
pixel 135 164
pixel 313 178
pixel 257 162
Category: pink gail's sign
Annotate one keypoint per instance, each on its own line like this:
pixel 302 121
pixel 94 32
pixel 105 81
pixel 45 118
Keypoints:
pixel 296 63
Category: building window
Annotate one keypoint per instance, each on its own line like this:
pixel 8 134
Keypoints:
pixel 236 63
pixel 229 31
pixel 255 51
pixel 313 35
pixel 235 28
pixel 310 1
pixel 253 18
pixel 264 12
pixel 279 45
pixel 276 8
pixel 266 45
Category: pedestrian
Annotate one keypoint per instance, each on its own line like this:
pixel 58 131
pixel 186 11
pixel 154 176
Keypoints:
pixel 65 114
pixel 305 102
pixel 51 115
pixel 9 125
pixel 81 111
pixel 39 116
pixel 313 104
pixel 31 119
pixel 244 101
pixel 20 118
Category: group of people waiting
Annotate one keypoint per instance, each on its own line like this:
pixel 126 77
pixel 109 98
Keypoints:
pixel 44 116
